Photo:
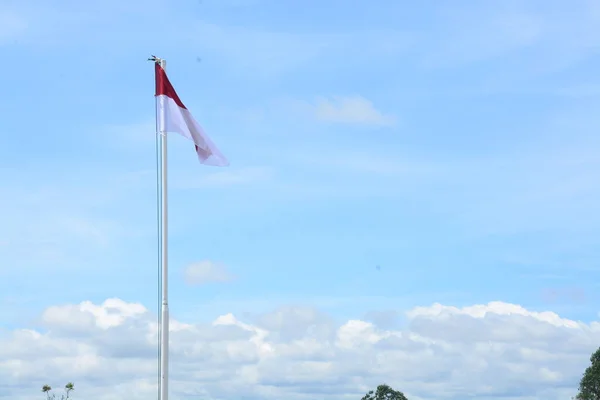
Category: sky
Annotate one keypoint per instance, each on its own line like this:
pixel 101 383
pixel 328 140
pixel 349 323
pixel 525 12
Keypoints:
pixel 412 198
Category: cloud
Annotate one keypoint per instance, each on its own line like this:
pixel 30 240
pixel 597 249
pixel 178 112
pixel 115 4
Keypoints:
pixel 496 350
pixel 351 110
pixel 111 313
pixel 206 271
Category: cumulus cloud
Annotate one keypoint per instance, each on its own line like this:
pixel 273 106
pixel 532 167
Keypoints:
pixel 351 110
pixel 206 271
pixel 489 351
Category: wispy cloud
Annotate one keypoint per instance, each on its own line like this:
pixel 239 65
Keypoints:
pixel 351 110
pixel 206 272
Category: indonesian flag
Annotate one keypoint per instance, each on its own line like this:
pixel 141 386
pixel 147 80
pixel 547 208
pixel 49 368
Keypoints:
pixel 173 116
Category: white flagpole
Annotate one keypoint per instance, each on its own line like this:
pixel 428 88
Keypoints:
pixel 164 326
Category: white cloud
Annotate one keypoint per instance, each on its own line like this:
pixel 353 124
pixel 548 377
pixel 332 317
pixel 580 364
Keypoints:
pixel 111 313
pixel 495 351
pixel 206 271
pixel 351 110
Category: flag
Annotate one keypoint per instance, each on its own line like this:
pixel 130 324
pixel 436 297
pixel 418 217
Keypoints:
pixel 173 116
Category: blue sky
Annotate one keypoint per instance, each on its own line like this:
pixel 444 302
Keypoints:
pixel 472 181
pixel 452 144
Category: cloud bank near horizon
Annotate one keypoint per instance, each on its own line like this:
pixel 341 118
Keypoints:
pixel 494 350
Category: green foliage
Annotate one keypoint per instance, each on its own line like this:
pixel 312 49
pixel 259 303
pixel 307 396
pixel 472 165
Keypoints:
pixel 384 392
pixel 589 386
pixel 69 387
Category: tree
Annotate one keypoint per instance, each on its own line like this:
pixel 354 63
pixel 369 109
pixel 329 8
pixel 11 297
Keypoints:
pixel 384 392
pixel 589 386
pixel 69 387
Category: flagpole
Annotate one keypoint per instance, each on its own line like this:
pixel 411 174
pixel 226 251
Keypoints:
pixel 164 326
pixel 208 153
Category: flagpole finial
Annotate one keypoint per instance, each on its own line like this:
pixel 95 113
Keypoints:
pixel 159 61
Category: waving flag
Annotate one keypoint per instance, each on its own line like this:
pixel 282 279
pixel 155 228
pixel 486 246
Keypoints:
pixel 173 116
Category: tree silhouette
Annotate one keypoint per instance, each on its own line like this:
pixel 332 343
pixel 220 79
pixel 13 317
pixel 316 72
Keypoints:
pixel 589 386
pixel 69 387
pixel 384 392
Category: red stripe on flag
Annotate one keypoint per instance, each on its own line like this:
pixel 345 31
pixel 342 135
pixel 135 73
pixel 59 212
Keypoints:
pixel 164 87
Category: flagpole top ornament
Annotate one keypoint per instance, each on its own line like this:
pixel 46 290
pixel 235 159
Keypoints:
pixel 155 59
